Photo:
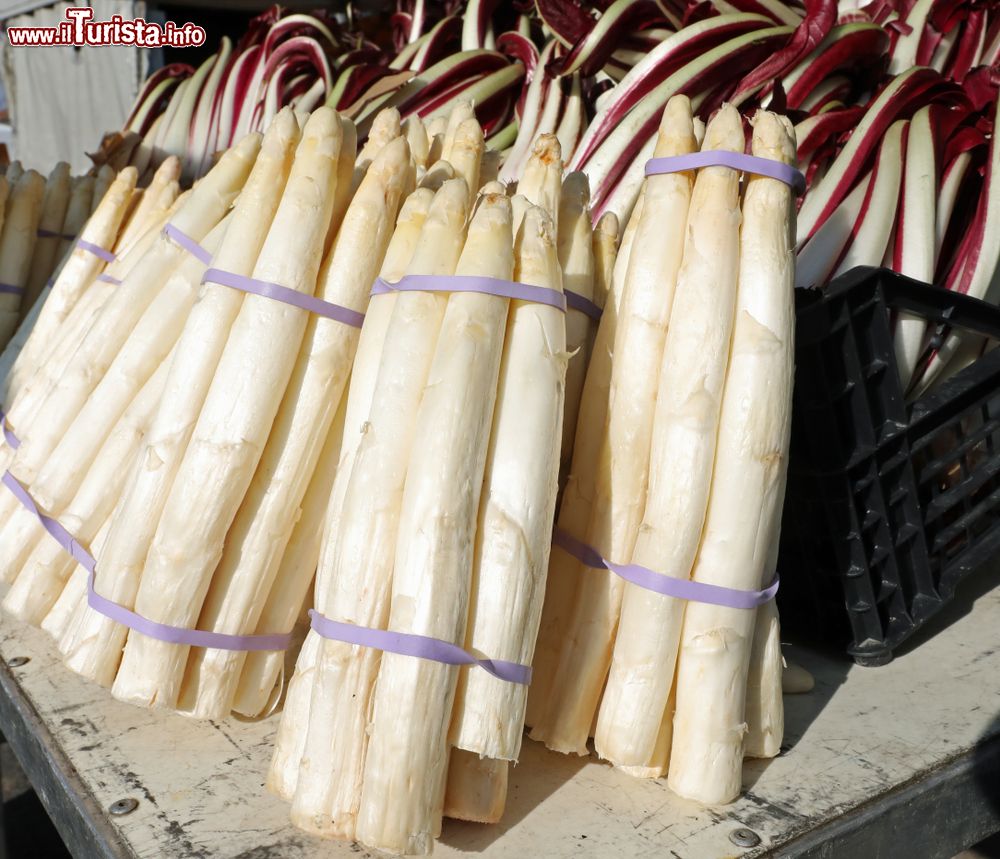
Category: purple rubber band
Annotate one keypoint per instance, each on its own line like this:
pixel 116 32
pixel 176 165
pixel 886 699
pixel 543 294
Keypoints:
pixel 575 301
pixel 10 289
pixel 190 245
pixel 52 234
pixel 107 278
pixel 473 283
pixel 737 160
pixel 285 295
pixel 96 250
pixel 684 589
pixel 12 440
pixel 421 646
pixel 122 615
pixel 178 635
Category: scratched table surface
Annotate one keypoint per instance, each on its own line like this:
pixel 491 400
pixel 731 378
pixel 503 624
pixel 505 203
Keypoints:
pixel 894 761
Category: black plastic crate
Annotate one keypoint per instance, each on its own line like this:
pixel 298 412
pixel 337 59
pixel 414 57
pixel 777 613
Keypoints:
pixel 889 504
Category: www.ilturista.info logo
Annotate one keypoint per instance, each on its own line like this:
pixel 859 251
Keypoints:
pixel 79 29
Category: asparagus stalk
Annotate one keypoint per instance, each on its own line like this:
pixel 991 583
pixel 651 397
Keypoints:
pixel 514 531
pixel 576 258
pixel 74 279
pixel 17 243
pixel 477 788
pixel 264 523
pixel 291 738
pixel 44 573
pixel 606 235
pixel 685 423
pixel 78 211
pixel 623 461
pixel 53 214
pixel 160 194
pixel 105 176
pixel 329 782
pixel 234 423
pixel 202 211
pixel 95 654
pixel 765 713
pixel 261 669
pixel 745 504
pixel 406 767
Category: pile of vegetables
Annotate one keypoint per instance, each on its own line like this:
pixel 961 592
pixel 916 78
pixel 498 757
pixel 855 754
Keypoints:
pixel 39 221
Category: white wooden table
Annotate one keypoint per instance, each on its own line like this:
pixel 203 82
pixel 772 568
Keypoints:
pixel 902 760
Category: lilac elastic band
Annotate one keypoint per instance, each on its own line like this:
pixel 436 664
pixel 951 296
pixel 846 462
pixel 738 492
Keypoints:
pixel 107 278
pixel 190 245
pixel 52 234
pixel 737 160
pixel 575 301
pixel 122 615
pixel 96 250
pixel 10 289
pixel 178 635
pixel 285 295
pixel 472 283
pixel 12 440
pixel 421 646
pixel 684 589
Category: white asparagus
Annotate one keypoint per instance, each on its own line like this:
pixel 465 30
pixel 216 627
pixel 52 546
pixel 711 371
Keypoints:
pixel 682 445
pixel 467 152
pixel 345 179
pixel 514 531
pixel 578 493
pixel 160 194
pixel 234 423
pixel 262 669
pixel 105 176
pixel 406 767
pixel 623 461
pixel 461 112
pixel 97 648
pixel 260 532
pixel 53 213
pixel 291 738
pixel 73 593
pixel 416 136
pixel 576 258
pixel 745 505
pixel 606 235
pixel 46 568
pixel 14 171
pixel 202 211
pixel 436 175
pixel 765 713
pixel 77 273
pixel 17 243
pixel 541 183
pixel 329 780
pixel 78 211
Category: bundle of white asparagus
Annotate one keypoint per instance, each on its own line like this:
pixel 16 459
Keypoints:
pixel 440 518
pixel 678 468
pixel 40 221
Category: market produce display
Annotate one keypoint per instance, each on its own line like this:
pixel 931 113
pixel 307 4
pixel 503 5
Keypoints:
pixel 473 353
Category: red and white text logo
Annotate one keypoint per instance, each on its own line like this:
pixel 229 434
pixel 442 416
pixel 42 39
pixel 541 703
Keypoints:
pixel 80 29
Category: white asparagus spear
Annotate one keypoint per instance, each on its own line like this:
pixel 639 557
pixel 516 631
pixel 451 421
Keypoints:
pixel 75 277
pixel 160 194
pixel 15 170
pixel 416 135
pixel 202 211
pixel 44 573
pixel 514 532
pixel 578 493
pixel 291 738
pixel 467 152
pixel 606 236
pixel 436 175
pixel 53 213
pixel 623 462
pixel 329 779
pixel 144 350
pixel 147 345
pixel 53 360
pixel 744 510
pixel 402 793
pixel 461 112
pixel 576 258
pixel 477 788
pixel 235 420
pixel 684 427
pixel 541 183
pixel 78 211
pixel 96 652
pixel 261 669
pixel 259 534
pixel 17 243
pixel 345 179
pixel 73 593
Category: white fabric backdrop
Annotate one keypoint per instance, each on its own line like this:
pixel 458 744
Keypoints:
pixel 63 99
